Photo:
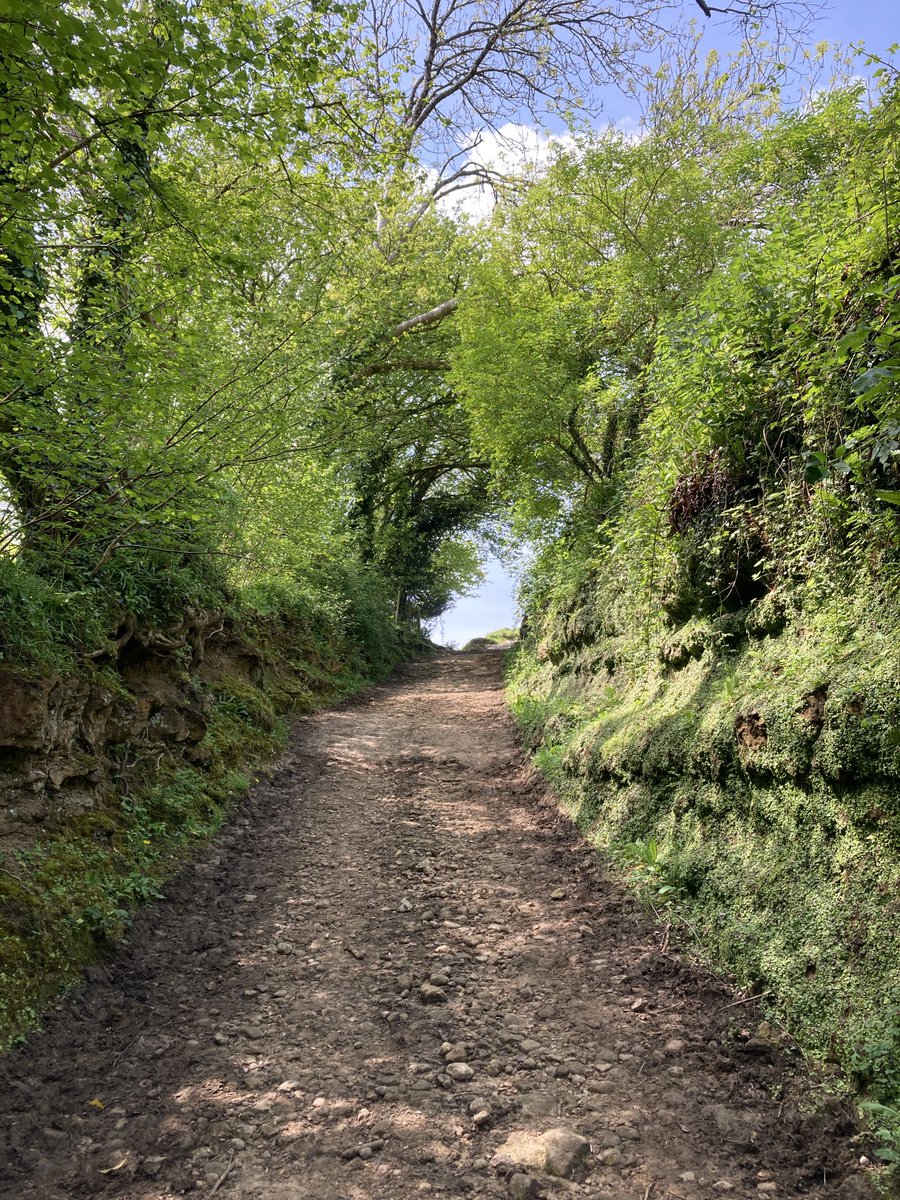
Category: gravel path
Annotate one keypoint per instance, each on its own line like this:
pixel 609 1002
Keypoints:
pixel 397 972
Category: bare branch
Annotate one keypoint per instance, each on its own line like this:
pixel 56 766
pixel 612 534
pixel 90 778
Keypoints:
pixel 432 317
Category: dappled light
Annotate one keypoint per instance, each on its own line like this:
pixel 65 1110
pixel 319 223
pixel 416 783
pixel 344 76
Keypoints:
pixel 380 973
pixel 563 332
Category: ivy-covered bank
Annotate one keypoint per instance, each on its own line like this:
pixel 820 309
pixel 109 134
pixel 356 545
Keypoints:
pixel 745 774
pixel 117 761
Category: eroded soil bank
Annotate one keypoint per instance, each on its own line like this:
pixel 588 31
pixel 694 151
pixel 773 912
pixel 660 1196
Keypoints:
pixel 393 958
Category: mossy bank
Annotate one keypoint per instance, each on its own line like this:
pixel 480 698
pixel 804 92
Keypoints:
pixel 118 760
pixel 744 771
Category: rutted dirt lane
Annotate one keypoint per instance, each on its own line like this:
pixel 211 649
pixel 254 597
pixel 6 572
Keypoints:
pixel 393 958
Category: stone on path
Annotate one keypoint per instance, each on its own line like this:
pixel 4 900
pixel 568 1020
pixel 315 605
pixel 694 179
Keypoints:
pixel 429 993
pixel 557 1152
pixel 523 1187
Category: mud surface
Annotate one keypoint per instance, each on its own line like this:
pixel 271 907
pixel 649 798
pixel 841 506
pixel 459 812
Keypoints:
pixel 395 957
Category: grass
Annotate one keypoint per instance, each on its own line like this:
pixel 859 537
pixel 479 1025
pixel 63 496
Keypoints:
pixel 497 638
pixel 752 790
pixel 69 898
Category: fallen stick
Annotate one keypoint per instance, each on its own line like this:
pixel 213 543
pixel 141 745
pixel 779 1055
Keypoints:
pixel 746 1000
pixel 215 1187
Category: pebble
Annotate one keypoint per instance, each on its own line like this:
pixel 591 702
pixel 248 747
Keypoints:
pixel 558 894
pixel 430 993
pixel 460 1071
pixel 523 1187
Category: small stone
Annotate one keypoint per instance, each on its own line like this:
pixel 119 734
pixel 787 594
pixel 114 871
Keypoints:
pixel 404 905
pixel 768 1187
pixel 605 1140
pixel 430 993
pixel 558 894
pixel 538 1106
pixel 482 1117
pixel 460 1071
pixel 755 1045
pixel 722 1185
pixel 610 1157
pixel 523 1187
pixel 220 1037
pixel 456 1053
pixel 688 1177
pixel 674 1046
pixel 439 979
pixel 639 1005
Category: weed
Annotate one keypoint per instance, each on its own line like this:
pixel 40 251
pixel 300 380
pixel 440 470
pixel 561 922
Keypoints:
pixel 648 871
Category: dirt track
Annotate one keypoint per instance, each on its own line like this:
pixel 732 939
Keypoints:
pixel 264 1033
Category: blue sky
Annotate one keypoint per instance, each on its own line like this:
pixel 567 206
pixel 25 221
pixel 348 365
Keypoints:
pixel 874 22
pixel 492 607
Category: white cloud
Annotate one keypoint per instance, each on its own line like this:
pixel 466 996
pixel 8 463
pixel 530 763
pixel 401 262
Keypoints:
pixel 512 151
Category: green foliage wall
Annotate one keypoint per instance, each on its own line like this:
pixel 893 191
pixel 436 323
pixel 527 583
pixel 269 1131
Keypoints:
pixel 712 667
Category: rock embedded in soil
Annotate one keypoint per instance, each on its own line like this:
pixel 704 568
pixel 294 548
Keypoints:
pixel 430 993
pixel 523 1187
pixel 557 1152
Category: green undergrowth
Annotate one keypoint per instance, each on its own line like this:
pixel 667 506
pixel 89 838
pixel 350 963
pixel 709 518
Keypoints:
pixel 497 638
pixel 744 775
pixel 69 898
